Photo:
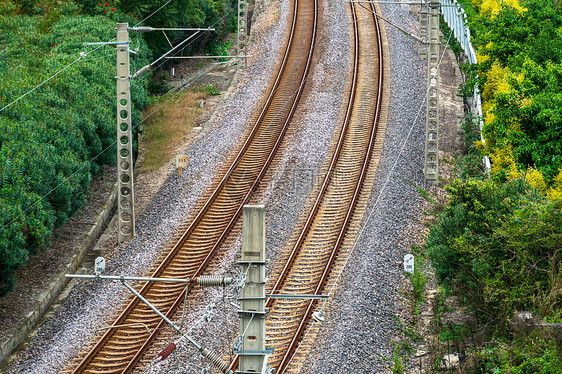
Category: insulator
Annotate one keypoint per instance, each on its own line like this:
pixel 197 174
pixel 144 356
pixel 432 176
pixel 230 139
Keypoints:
pixel 212 280
pixel 237 344
pixel 240 282
pixel 215 359
pixel 167 351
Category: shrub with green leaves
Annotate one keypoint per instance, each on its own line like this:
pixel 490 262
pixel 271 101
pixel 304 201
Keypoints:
pixel 520 74
pixel 531 354
pixel 55 138
pixel 499 246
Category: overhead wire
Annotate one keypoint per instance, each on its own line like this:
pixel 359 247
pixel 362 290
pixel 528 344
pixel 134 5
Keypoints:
pixel 153 13
pixel 198 36
pixel 156 110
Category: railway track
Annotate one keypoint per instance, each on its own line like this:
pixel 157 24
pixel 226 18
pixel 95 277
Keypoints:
pixel 120 349
pixel 314 254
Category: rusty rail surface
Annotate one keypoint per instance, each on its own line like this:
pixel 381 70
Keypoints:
pixel 312 257
pixel 118 350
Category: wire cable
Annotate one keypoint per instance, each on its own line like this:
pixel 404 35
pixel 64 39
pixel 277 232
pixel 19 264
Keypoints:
pixel 198 35
pixel 153 13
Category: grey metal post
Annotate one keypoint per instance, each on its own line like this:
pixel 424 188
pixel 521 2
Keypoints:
pixel 125 192
pixel 431 166
pixel 242 29
pixel 253 354
pixel 423 17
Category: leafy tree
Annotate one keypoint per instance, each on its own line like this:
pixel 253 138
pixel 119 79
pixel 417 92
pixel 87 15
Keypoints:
pixel 499 246
pixel 529 119
pixel 52 140
pixel 177 13
pixel 521 75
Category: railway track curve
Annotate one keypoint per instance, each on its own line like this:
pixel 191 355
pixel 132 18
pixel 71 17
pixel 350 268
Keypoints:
pixel 119 349
pixel 313 255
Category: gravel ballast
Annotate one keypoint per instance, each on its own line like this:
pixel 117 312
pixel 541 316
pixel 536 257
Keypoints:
pixel 360 322
pixel 360 319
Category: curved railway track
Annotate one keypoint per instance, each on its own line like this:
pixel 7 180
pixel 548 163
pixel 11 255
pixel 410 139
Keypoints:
pixel 314 253
pixel 118 350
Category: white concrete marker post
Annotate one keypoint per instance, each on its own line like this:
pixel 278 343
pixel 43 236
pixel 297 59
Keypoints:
pixel 409 263
pixel 99 265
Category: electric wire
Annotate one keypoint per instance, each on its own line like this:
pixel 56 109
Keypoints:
pixel 198 36
pixel 153 13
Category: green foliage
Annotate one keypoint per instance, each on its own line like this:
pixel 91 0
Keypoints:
pixel 397 362
pixel 471 79
pixel 512 36
pixel 418 283
pixel 528 118
pixel 469 164
pixel 498 247
pixel 453 334
pixel 218 49
pixel 158 84
pixel 209 89
pixel 52 140
pixel 179 13
pixel 528 355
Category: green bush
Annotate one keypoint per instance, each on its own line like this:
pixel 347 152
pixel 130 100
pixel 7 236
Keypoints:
pixel 530 355
pixel 526 119
pixel 178 13
pixel 498 247
pixel 54 139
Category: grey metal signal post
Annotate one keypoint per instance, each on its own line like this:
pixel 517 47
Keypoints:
pixel 431 166
pixel 125 191
pixel 253 354
pixel 242 29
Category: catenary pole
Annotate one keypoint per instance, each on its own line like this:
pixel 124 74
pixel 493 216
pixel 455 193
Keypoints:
pixel 125 191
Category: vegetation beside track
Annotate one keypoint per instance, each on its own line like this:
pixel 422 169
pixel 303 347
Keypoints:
pixel 55 138
pixel 497 245
pixel 170 120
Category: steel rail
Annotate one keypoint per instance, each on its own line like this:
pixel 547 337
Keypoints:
pixel 304 233
pixel 320 197
pixel 307 315
pixel 235 217
pixel 254 134
pixel 325 182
